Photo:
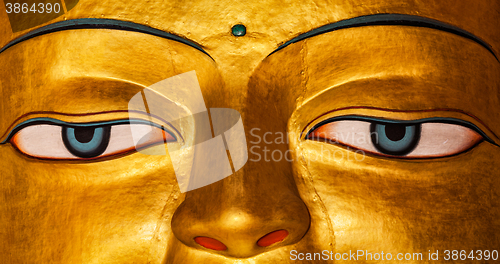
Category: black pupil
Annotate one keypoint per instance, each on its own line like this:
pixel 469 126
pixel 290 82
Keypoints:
pixel 84 134
pixel 395 132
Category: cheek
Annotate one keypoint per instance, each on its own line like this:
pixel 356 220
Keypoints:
pixel 379 204
pixel 89 211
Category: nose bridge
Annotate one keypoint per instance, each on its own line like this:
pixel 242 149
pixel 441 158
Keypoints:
pixel 262 186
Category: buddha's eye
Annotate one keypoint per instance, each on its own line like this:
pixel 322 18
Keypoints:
pixel 426 138
pixel 86 141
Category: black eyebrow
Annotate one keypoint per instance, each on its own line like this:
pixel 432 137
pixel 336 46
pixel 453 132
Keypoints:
pixel 98 23
pixel 388 20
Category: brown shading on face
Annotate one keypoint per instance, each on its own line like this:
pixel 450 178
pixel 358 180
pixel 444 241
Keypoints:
pixel 128 208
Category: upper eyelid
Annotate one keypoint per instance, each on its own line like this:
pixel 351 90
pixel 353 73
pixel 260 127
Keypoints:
pixel 8 134
pixel 445 120
pixel 57 122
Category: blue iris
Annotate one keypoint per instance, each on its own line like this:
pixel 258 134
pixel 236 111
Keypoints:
pixel 395 139
pixel 86 142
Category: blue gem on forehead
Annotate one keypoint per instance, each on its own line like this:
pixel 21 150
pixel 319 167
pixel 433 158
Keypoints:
pixel 239 30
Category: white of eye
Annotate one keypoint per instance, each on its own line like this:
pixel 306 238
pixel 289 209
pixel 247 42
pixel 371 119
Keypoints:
pixel 436 139
pixel 45 141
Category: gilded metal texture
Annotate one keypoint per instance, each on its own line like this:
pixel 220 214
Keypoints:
pixel 287 77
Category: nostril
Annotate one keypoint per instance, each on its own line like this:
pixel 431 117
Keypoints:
pixel 272 238
pixel 210 243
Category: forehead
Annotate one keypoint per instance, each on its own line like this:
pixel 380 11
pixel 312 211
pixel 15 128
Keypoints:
pixel 270 23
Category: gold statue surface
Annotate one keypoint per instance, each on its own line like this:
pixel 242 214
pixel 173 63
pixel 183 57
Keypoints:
pixel 372 130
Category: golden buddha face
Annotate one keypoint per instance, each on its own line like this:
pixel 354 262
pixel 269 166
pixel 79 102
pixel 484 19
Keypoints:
pixel 366 139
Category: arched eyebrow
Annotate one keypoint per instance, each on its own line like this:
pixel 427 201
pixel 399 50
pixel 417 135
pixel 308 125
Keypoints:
pixel 98 23
pixel 388 20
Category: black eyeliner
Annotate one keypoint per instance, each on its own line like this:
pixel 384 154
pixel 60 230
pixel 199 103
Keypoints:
pixel 57 122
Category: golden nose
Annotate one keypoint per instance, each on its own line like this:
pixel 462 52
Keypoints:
pixel 240 233
pixel 256 210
